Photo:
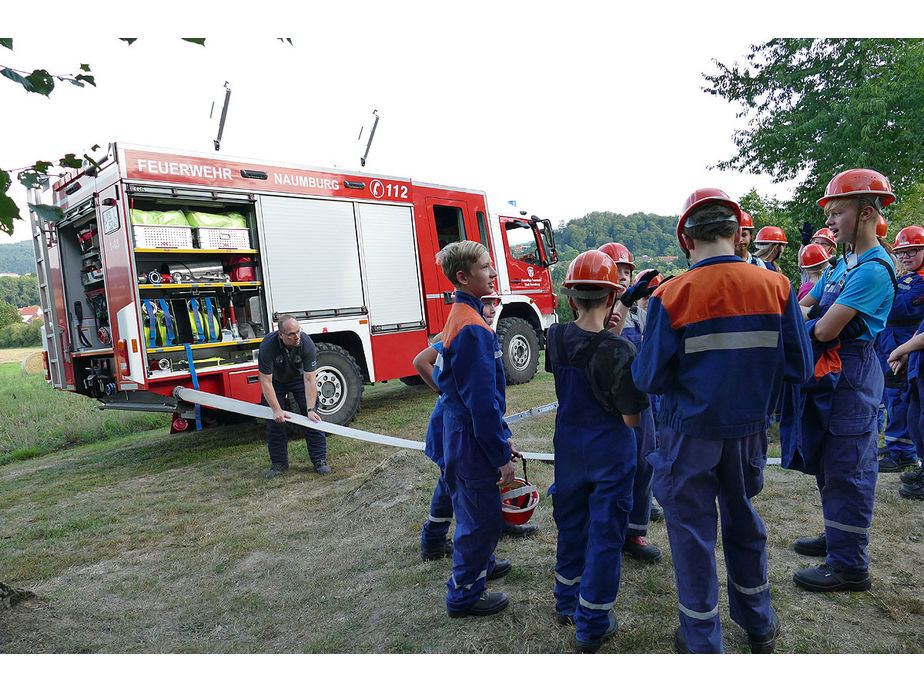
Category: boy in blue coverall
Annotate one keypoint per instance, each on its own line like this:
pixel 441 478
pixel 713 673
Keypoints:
pixel 594 452
pixel 845 310
pixel 477 450
pixel 719 341
pixel 906 314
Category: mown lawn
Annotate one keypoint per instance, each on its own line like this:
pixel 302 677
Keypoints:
pixel 152 543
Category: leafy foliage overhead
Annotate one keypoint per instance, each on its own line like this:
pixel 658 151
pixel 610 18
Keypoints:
pixel 815 107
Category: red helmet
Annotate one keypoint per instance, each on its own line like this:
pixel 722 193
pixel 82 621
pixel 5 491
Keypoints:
pixel 594 268
pixel 746 221
pixel 882 227
pixel 813 255
pixel 771 234
pixel 697 199
pixel 826 234
pixel 518 501
pixel 909 237
pixel 618 252
pixel 859 181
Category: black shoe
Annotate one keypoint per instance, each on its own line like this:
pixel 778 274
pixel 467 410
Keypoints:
pixel 883 451
pixel 656 514
pixel 912 491
pixel 501 567
pixel 812 546
pixel 275 471
pixel 429 553
pixel 764 643
pixel 489 603
pixel 679 643
pixel 594 645
pixel 519 531
pixel 564 619
pixel 890 464
pixel 912 476
pixel 322 468
pixel 824 578
pixel 638 548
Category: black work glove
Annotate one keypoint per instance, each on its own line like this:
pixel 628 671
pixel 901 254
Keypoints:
pixel 814 312
pixel 852 329
pixel 806 232
pixel 640 289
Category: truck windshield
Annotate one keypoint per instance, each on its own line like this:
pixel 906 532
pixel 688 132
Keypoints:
pixel 522 243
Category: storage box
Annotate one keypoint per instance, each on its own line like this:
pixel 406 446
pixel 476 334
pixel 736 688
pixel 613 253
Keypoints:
pixel 151 236
pixel 218 238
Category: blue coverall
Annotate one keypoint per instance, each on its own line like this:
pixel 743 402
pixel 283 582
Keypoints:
pixel 436 527
pixel 475 445
pixel 829 425
pixel 916 396
pixel 645 443
pixel 719 342
pixel 594 471
pixel 906 314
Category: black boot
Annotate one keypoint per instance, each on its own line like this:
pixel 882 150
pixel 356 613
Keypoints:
pixel 429 553
pixel 489 603
pixel 824 578
pixel 519 531
pixel 812 546
pixel 763 643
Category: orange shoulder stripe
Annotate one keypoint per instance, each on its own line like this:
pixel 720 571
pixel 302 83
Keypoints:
pixel 461 315
pixel 723 290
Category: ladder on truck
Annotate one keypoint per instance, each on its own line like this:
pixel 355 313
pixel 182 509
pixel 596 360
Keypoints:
pixel 44 237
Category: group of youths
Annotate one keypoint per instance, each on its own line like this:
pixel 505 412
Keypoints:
pixel 719 349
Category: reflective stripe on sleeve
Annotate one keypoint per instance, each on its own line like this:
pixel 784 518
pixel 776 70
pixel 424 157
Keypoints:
pixel 757 339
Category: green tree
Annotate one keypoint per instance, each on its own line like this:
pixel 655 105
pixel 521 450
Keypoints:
pixel 9 315
pixel 815 107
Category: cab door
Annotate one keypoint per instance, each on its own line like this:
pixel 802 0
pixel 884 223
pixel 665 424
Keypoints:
pixel 449 220
pixel 527 264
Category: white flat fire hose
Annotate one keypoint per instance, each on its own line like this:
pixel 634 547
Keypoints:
pixel 259 411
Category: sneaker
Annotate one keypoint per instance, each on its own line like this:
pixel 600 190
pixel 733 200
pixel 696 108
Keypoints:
pixel 591 646
pixel 912 491
pixel 275 471
pixel 489 603
pixel 656 514
pixel 912 476
pixel 638 548
pixel 429 553
pixel 323 469
pixel 502 566
pixel 824 578
pixel 812 546
pixel 764 643
pixel 519 531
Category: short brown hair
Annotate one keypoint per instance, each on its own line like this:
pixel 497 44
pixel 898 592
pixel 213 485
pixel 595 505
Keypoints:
pixel 459 257
pixel 702 229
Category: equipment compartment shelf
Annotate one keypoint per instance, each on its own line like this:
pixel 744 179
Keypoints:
pixel 203 285
pixel 199 251
pixel 202 345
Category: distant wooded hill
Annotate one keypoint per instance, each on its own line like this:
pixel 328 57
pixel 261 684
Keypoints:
pixel 17 258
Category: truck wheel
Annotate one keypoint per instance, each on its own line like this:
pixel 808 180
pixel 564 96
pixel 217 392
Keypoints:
pixel 519 348
pixel 340 384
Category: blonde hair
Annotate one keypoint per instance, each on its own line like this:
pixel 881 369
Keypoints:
pixel 459 257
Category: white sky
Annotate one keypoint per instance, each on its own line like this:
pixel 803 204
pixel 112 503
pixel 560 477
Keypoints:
pixel 567 108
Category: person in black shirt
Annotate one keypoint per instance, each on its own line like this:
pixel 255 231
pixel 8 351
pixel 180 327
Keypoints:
pixel 287 363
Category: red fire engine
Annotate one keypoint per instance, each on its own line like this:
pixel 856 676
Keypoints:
pixel 168 269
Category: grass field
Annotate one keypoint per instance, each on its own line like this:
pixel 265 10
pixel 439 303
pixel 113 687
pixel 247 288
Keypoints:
pixel 152 543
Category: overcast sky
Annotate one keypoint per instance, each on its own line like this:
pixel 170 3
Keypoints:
pixel 566 108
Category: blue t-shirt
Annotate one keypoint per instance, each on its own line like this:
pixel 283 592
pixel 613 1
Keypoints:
pixel 867 288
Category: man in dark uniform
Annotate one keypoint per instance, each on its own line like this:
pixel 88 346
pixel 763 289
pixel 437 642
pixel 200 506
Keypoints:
pixel 288 360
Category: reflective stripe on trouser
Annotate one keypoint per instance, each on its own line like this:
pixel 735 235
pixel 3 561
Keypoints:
pixel 436 527
pixel 640 514
pixel 848 467
pixel 478 527
pixel 690 474
pixel 897 435
pixel 276 438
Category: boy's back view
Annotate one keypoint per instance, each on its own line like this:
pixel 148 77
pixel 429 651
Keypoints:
pixel 720 340
pixel 594 451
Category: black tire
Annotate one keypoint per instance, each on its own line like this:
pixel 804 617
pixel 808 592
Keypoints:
pixel 340 384
pixel 413 381
pixel 519 348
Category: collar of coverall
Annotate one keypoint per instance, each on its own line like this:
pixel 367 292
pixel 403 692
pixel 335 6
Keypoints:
pixel 717 259
pixel 465 297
